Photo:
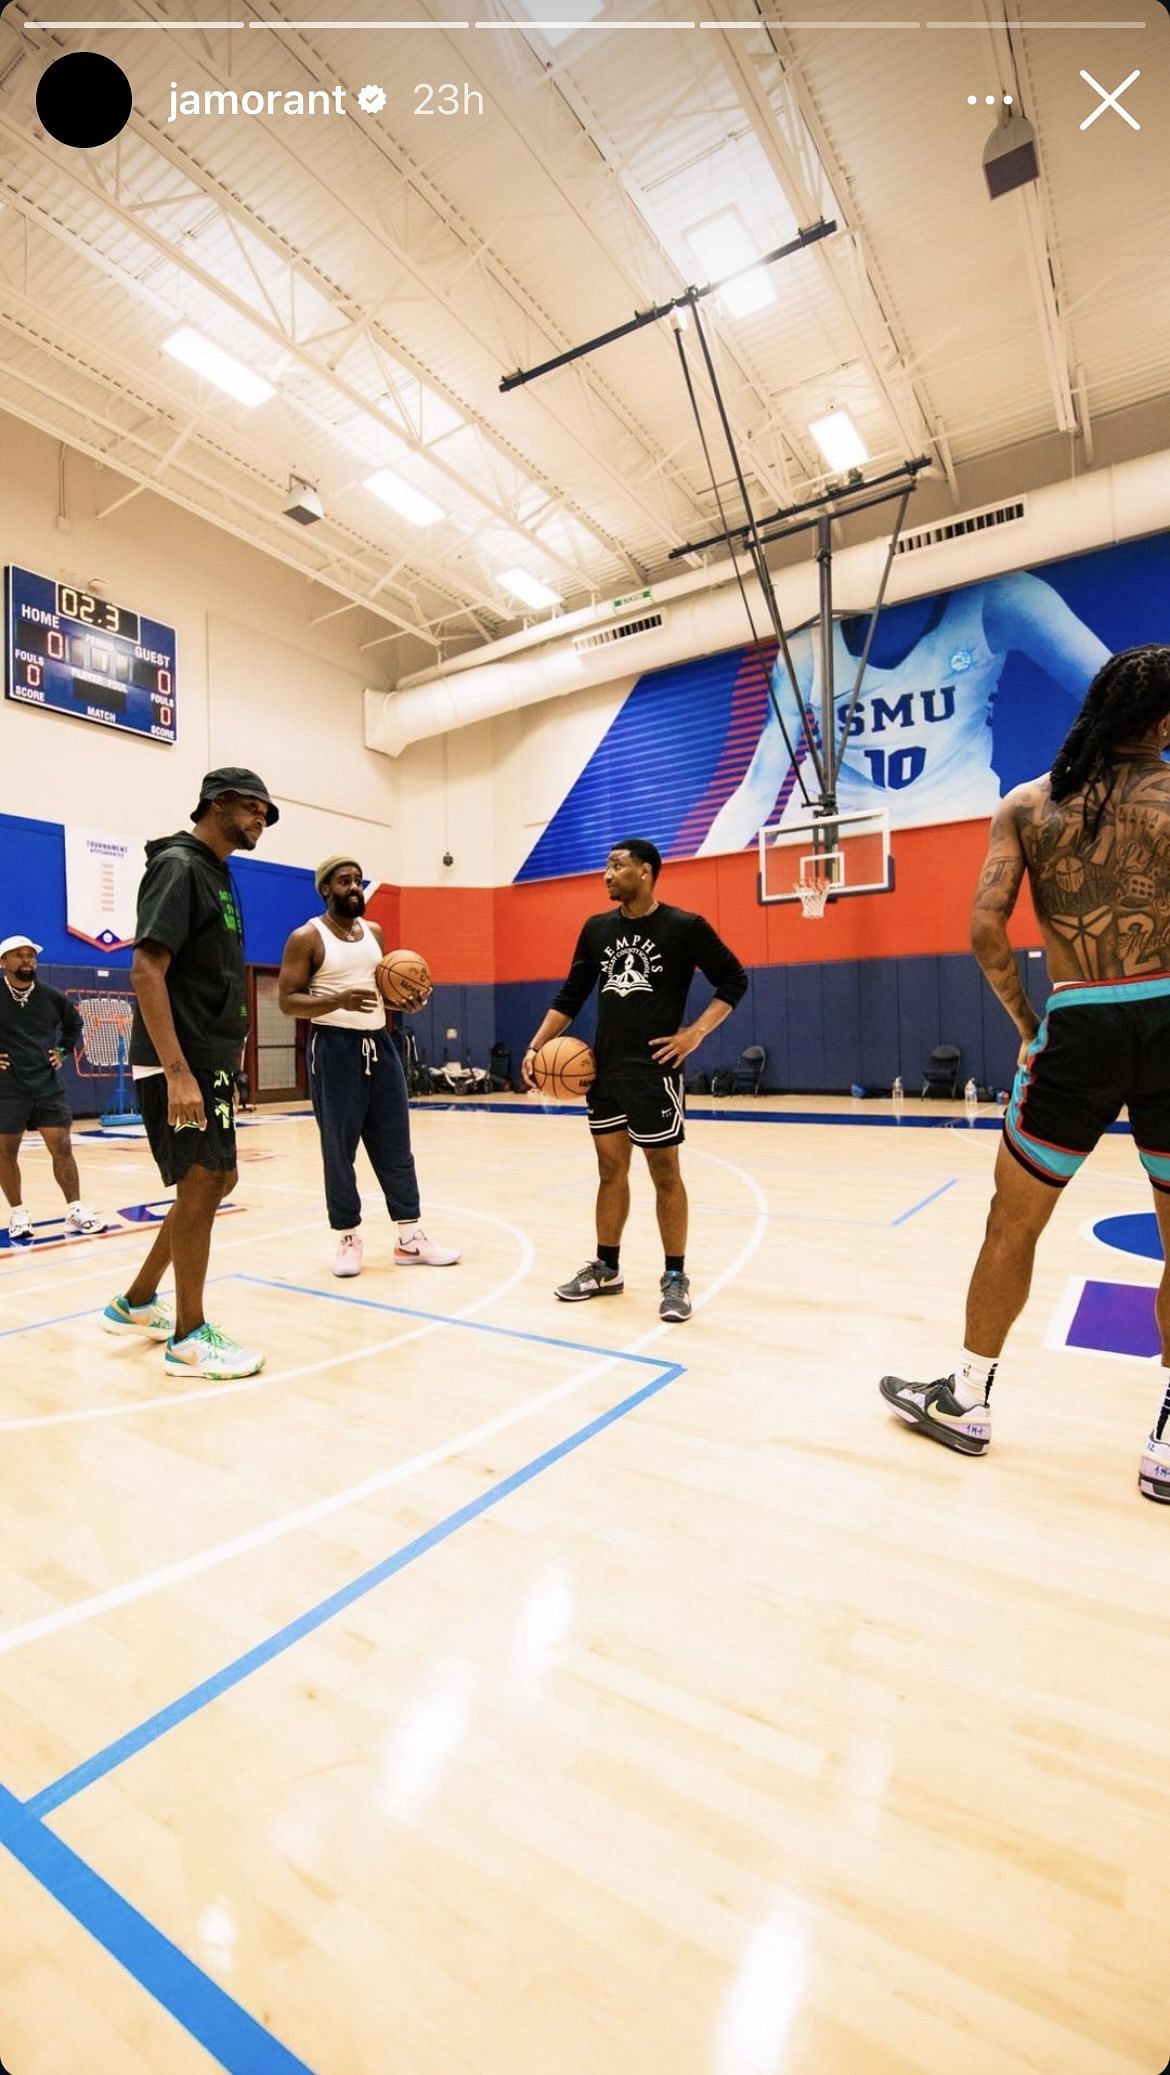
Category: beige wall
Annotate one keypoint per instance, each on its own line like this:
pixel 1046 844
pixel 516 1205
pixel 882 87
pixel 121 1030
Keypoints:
pixel 258 684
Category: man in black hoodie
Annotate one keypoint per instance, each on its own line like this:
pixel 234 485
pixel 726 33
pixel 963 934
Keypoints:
pixel 190 1022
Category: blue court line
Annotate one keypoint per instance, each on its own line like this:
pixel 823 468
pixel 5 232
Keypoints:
pixel 933 1197
pixel 694 1114
pixel 233 2037
pixel 882 1122
pixel 201 1696
pixel 430 1318
pixel 205 2010
pixel 34 1325
pixel 442 1318
pixel 89 1311
pixel 27 1249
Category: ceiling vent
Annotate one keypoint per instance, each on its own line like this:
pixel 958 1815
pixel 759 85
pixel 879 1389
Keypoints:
pixel 971 522
pixel 624 631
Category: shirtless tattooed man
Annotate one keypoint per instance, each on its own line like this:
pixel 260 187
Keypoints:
pixel 1093 837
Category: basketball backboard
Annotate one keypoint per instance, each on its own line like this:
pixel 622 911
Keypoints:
pixel 839 853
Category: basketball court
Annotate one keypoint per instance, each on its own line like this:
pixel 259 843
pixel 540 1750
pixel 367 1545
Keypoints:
pixel 536 1685
pixel 509 437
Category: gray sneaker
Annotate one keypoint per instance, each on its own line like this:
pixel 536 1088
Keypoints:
pixel 594 1280
pixel 935 1410
pixel 676 1295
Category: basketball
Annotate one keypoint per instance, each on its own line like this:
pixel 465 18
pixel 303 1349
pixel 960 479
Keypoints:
pixel 564 1068
pixel 401 976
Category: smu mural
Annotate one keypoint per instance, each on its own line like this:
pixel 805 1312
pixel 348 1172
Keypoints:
pixel 966 693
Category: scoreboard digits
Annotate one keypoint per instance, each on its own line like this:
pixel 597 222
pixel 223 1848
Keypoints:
pixel 97 612
pixel 85 656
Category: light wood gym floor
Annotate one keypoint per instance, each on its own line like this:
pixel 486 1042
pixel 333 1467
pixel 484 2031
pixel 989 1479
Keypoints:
pixel 498 1687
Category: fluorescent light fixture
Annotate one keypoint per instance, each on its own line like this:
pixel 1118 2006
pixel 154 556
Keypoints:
pixel 403 498
pixel 210 361
pixel 722 245
pixel 528 588
pixel 839 441
pixel 557 19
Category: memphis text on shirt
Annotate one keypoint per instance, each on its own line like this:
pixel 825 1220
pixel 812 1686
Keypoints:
pixel 273 101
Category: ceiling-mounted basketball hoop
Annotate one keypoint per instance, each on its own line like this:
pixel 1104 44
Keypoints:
pixel 819 739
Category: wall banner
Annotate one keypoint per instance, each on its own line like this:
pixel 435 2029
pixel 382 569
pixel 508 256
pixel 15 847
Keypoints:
pixel 101 887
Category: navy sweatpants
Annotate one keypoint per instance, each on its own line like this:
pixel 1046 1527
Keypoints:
pixel 358 1091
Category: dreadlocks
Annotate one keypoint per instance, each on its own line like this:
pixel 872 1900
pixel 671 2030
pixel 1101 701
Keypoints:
pixel 1129 693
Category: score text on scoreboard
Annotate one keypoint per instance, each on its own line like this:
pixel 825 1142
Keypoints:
pixel 81 655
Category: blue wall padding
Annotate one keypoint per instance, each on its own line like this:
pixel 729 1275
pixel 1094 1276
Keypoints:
pixel 275 899
pixel 825 1027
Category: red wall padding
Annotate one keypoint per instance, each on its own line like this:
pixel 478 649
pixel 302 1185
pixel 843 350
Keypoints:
pixel 483 934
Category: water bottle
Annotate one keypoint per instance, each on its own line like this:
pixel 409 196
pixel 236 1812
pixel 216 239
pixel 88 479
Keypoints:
pixel 971 1099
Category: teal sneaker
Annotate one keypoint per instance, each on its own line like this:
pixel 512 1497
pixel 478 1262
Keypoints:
pixel 211 1354
pixel 150 1321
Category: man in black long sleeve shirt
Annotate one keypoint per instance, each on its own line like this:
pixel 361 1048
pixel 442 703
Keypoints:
pixel 37 1027
pixel 644 955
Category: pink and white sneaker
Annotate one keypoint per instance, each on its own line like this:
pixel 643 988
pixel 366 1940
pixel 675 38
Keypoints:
pixel 348 1258
pixel 415 1250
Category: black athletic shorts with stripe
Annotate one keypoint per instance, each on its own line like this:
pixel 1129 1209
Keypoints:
pixel 1103 1044
pixel 649 1107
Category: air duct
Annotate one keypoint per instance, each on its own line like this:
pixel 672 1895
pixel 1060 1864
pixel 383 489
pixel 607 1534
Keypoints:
pixel 702 611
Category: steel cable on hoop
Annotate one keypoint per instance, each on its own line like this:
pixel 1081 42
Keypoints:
pixel 763 574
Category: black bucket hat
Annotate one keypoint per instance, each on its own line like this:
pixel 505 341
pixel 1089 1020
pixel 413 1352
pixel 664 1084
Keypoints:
pixel 232 778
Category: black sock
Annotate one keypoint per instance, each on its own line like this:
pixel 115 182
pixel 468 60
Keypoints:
pixel 674 1263
pixel 610 1255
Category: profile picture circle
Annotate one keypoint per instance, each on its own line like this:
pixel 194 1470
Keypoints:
pixel 84 99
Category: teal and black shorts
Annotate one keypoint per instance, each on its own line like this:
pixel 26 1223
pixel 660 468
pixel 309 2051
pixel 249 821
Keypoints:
pixel 1103 1045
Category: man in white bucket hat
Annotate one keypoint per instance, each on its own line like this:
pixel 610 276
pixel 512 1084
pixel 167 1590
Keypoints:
pixel 38 1026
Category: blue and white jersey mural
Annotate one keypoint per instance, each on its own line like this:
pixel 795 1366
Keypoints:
pixel 966 693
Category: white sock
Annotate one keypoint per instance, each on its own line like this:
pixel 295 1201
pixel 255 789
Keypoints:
pixel 973 1378
pixel 408 1230
pixel 1163 1418
pixel 71 1207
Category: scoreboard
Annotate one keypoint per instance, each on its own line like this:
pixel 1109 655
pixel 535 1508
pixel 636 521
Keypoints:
pixel 81 655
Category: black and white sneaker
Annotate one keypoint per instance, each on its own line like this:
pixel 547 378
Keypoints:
pixel 676 1296
pixel 1154 1474
pixel 934 1408
pixel 594 1280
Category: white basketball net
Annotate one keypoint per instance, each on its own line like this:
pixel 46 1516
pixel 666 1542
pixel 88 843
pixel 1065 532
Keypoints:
pixel 812 894
pixel 108 1018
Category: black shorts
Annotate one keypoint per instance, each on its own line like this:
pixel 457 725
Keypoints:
pixel 176 1152
pixel 649 1107
pixel 1102 1045
pixel 20 1113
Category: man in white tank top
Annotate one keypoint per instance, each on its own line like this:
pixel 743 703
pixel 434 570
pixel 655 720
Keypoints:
pixel 356 1082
